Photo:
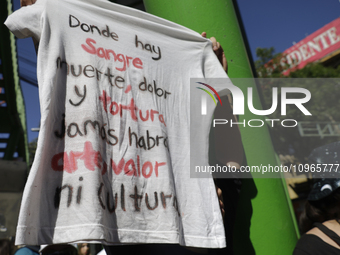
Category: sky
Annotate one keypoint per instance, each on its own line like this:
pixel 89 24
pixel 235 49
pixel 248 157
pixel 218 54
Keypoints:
pixel 280 23
pixel 268 23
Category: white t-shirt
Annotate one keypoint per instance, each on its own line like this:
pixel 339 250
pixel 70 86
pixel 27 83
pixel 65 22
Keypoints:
pixel 114 144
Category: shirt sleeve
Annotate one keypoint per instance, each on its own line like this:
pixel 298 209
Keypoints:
pixel 26 22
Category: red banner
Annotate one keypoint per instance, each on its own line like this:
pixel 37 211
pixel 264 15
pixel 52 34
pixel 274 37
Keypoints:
pixel 314 47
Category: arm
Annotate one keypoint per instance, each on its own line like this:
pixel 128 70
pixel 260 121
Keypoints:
pixel 228 155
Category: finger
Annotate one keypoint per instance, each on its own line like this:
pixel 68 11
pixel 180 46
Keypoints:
pixel 221 204
pixel 27 2
pixel 219 47
pixel 222 209
pixel 220 201
pixel 218 50
pixel 219 192
pixel 214 43
pixel 219 195
pixel 204 34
